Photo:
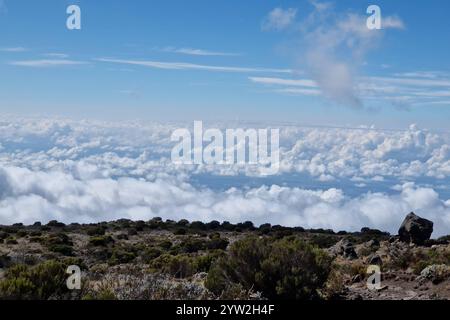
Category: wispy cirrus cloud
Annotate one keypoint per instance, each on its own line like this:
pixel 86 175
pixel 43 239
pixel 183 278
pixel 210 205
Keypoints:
pixel 289 82
pixel 13 49
pixel 46 63
pixel 300 91
pixel 396 89
pixel 197 52
pixel 191 66
pixel 419 82
pixel 57 55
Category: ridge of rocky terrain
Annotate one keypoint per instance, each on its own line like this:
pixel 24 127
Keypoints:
pixel 159 259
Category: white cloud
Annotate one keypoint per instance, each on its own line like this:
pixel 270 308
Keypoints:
pixel 425 89
pixel 413 81
pixel 45 63
pixel 279 19
pixel 392 22
pixel 288 82
pixel 299 91
pixel 191 66
pixel 13 49
pixel 333 47
pixel 198 52
pixel 31 196
pixel 339 178
pixel 57 55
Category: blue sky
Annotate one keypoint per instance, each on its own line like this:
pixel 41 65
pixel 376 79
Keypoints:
pixel 246 60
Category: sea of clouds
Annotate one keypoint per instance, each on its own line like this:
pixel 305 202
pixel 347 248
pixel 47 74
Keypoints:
pixel 337 178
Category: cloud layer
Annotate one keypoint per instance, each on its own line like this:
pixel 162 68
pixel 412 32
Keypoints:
pixel 88 171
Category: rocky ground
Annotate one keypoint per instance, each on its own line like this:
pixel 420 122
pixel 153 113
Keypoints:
pixel 172 260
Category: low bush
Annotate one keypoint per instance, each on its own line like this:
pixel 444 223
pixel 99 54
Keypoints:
pixel 122 255
pixel 280 269
pixel 96 231
pixel 323 240
pixel 11 240
pixel 3 235
pixel 57 238
pixel 21 233
pixel 101 241
pixel 180 231
pixel 63 249
pixel 149 254
pixel 55 223
pixel 180 266
pixel 40 282
pixel 217 244
pixel 165 244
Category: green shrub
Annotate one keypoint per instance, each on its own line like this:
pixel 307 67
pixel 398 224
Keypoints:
pixel 280 269
pixel 217 244
pixel 335 285
pixel 122 236
pixel 56 224
pixel 101 241
pixel 103 294
pixel 56 242
pixel 39 282
pixel 11 240
pixel 5 260
pixel 165 244
pixel 17 289
pixel 132 232
pixel 183 222
pixel 228 226
pixel 180 266
pixel 57 238
pixel 96 231
pixel 213 225
pixel 419 259
pixel 140 225
pixel 324 240
pixel 63 249
pixel 21 233
pixel 180 232
pixel 198 225
pixel 121 255
pixel 204 262
pixel 149 254
pixel 192 245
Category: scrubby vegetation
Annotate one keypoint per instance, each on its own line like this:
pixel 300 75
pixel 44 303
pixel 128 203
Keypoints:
pixel 41 281
pixel 159 259
pixel 281 269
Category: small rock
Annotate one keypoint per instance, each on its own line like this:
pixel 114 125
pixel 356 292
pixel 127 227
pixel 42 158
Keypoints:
pixel 344 248
pixel 393 239
pixel 375 260
pixel 373 243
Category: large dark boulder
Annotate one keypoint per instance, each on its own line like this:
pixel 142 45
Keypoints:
pixel 415 229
